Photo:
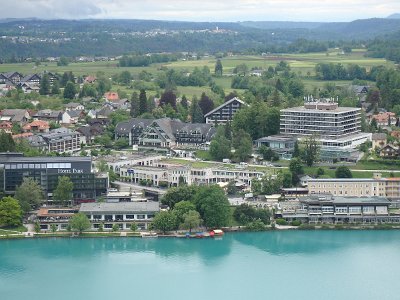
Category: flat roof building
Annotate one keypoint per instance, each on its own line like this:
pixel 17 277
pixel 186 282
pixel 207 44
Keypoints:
pixel 123 214
pixel 87 186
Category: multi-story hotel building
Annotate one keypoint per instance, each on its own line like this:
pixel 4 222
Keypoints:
pixel 335 127
pixel 87 186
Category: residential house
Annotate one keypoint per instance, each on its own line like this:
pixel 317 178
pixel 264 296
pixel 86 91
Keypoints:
pixel 111 96
pixel 389 151
pixel 3 79
pixel 19 116
pixel 6 126
pixel 28 88
pixel 72 116
pixel 360 89
pixel 48 115
pixel 37 126
pixel 74 106
pixel 395 134
pixel 384 119
pixel 225 112
pixel 13 77
pixel 378 140
pixel 52 77
pixel 104 112
pixel 32 79
pixel 123 104
pixel 89 132
pixel 90 79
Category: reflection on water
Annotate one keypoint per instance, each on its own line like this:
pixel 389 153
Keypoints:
pixel 315 241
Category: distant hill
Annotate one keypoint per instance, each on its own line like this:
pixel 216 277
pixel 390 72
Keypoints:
pixel 394 16
pixel 281 24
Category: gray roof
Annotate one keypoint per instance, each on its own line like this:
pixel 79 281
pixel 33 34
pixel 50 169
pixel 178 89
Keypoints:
pixel 278 137
pixel 379 136
pixel 47 113
pixel 74 113
pixel 43 159
pixel 329 199
pixel 224 104
pixel 17 115
pixel 30 77
pixel 72 104
pixel 126 126
pixel 121 207
pixel 59 134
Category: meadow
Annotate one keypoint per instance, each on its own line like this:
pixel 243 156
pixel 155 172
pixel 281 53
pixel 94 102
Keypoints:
pixel 301 64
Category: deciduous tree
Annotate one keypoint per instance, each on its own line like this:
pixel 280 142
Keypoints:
pixel 79 222
pixel 29 194
pixel 10 212
pixel 63 191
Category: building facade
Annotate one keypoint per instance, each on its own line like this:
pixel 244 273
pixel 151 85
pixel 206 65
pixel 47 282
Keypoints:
pixel 335 128
pixel 333 209
pixel 281 144
pixel 357 187
pixel 123 214
pixel 87 186
pixel 225 112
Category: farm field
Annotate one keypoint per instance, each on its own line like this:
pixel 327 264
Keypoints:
pixel 302 64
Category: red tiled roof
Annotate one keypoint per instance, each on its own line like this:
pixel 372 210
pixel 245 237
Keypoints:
pixel 39 124
pixel 111 96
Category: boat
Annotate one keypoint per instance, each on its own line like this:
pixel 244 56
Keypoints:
pixel 149 235
pixel 216 232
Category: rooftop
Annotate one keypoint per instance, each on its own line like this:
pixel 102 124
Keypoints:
pixel 121 207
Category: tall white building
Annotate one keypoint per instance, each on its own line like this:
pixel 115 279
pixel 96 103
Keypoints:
pixel 334 126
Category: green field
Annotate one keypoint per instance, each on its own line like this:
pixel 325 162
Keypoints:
pixel 301 64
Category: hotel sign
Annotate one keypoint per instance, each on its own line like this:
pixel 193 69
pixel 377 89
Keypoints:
pixel 70 171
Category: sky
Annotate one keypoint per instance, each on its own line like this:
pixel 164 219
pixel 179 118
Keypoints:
pixel 203 10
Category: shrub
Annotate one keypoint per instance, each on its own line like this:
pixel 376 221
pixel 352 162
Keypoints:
pixel 295 223
pixel 256 226
pixel 281 221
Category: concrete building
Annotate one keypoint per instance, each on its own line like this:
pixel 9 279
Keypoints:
pixel 281 144
pixel 123 214
pixel 358 187
pixel 336 128
pixel 162 173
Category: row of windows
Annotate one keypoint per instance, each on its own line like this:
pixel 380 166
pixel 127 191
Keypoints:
pixel 38 166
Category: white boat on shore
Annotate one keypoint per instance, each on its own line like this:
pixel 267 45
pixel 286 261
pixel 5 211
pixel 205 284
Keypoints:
pixel 149 235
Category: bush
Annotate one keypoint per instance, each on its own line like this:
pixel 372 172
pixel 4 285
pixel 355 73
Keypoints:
pixel 295 223
pixel 281 221
pixel 163 184
pixel 256 226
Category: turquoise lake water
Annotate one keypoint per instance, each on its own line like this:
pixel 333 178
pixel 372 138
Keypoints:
pixel 283 265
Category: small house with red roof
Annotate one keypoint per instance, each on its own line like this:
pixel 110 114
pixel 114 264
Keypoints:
pixel 111 96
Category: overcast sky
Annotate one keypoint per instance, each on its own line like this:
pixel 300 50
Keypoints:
pixel 203 10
